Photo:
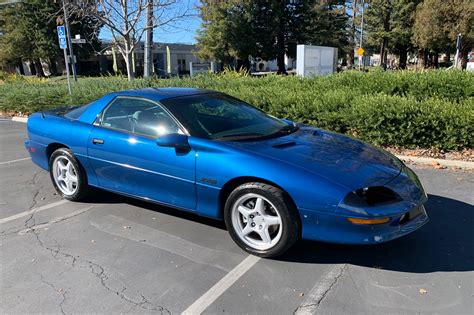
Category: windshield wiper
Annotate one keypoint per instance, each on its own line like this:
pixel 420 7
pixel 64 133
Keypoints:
pixel 241 135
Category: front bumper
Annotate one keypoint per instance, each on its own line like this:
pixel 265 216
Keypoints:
pixel 335 228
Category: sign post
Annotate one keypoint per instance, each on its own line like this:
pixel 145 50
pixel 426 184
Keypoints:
pixel 360 52
pixel 63 46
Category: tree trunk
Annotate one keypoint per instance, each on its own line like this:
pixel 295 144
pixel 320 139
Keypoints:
pixel 281 63
pixel 350 55
pixel 39 68
pixel 281 41
pixel 436 59
pixel 383 47
pixel 20 68
pixel 32 68
pixel 403 58
pixel 128 64
pixel 462 58
pixel 128 58
pixel 422 58
pixel 386 28
pixel 52 67
pixel 128 51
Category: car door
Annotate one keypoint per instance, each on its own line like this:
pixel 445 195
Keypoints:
pixel 124 154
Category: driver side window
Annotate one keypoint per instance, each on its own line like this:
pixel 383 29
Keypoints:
pixel 138 116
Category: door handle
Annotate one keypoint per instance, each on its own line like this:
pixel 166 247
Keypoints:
pixel 97 141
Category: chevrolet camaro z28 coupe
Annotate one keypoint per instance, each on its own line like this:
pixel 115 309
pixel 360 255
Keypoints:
pixel 271 180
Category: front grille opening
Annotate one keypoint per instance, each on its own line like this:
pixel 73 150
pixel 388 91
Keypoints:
pixel 405 218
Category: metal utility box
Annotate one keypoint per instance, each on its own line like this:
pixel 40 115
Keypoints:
pixel 315 60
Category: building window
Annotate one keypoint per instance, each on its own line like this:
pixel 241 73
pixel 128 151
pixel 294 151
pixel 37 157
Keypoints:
pixel 181 64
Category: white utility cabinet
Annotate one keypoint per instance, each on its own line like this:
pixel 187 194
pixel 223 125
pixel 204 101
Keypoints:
pixel 315 60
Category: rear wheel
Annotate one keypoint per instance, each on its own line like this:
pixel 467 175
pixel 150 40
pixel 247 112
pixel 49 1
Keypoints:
pixel 261 219
pixel 67 175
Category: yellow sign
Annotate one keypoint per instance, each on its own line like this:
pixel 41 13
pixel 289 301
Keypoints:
pixel 360 51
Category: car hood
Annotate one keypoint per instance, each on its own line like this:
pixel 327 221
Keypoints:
pixel 342 159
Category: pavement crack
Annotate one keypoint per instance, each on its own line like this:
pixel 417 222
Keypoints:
pixel 96 269
pixel 57 220
pixel 143 303
pixel 30 227
pixel 319 292
pixel 61 292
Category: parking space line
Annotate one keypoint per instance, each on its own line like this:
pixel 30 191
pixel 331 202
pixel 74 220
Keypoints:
pixel 220 287
pixel 136 232
pixel 35 210
pixel 13 161
pixel 57 220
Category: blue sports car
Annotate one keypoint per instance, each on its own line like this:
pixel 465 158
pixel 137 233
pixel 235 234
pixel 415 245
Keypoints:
pixel 271 180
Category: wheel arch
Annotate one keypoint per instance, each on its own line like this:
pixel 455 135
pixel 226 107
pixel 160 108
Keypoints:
pixel 53 147
pixel 232 184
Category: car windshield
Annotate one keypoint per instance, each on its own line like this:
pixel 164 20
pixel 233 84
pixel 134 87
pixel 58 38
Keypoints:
pixel 218 116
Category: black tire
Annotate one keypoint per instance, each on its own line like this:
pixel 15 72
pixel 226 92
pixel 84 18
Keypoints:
pixel 290 220
pixel 82 187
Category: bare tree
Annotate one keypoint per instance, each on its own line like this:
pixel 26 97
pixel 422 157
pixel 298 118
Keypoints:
pixel 126 20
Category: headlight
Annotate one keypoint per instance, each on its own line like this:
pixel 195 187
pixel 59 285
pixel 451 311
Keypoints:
pixel 371 196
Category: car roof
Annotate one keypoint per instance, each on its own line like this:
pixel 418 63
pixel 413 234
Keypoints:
pixel 158 94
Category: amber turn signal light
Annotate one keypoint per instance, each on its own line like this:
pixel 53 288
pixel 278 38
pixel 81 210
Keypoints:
pixel 368 221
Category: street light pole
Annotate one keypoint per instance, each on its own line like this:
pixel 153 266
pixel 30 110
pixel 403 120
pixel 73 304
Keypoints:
pixel 69 42
pixel 149 41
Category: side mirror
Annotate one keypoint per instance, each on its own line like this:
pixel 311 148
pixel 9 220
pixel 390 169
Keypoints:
pixel 174 140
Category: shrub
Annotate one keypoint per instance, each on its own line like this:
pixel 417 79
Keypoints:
pixel 403 108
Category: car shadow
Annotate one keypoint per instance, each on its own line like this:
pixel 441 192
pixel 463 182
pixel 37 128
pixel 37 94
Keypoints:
pixel 105 197
pixel 445 243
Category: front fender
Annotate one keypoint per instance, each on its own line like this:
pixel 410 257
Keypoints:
pixel 218 163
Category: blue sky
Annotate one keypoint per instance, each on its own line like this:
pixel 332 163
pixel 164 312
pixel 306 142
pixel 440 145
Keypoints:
pixel 185 32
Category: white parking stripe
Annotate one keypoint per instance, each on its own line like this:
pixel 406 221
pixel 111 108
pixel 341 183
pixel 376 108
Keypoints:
pixel 113 225
pixel 320 289
pixel 35 210
pixel 220 287
pixel 13 161
pixel 57 220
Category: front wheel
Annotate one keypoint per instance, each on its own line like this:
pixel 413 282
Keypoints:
pixel 67 175
pixel 261 219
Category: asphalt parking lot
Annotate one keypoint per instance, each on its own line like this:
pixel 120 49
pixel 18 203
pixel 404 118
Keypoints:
pixel 114 254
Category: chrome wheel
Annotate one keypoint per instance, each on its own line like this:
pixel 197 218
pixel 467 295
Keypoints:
pixel 65 175
pixel 256 221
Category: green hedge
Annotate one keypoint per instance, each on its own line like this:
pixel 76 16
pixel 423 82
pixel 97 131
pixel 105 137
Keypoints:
pixel 402 108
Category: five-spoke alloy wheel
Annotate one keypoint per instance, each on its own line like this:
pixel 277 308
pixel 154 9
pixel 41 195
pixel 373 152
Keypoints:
pixel 261 219
pixel 256 221
pixel 67 175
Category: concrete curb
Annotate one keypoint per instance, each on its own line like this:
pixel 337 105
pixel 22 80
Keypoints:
pixel 415 159
pixel 20 119
pixel 434 162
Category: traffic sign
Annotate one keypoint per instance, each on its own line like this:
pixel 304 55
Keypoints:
pixel 62 37
pixel 360 51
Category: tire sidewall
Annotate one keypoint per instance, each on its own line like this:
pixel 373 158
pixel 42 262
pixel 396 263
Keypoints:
pixel 82 185
pixel 290 224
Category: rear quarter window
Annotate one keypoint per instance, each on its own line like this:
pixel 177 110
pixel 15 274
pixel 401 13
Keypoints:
pixel 76 112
